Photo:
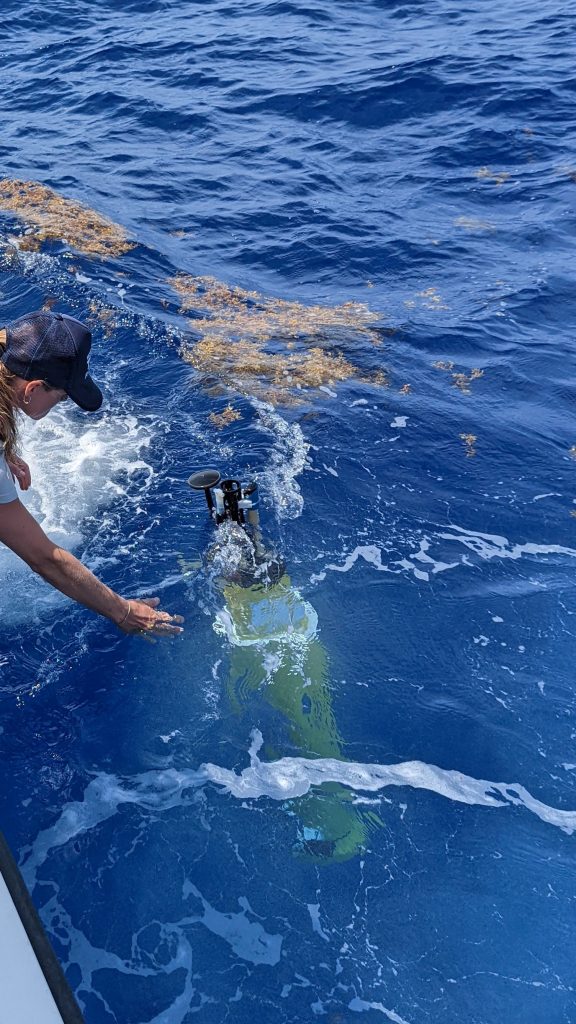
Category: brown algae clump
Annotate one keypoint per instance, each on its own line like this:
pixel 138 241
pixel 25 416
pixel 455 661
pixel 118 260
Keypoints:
pixel 224 418
pixel 244 365
pixel 107 317
pixel 240 313
pixel 51 217
pixel 428 299
pixel 462 381
pixel 469 444
pixel 474 224
pixel 486 174
pixel 270 347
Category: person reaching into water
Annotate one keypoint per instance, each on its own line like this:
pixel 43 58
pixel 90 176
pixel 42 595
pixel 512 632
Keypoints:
pixel 44 361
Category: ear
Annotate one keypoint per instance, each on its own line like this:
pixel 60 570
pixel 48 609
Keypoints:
pixel 29 388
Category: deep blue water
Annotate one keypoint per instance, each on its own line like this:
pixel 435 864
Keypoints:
pixel 419 158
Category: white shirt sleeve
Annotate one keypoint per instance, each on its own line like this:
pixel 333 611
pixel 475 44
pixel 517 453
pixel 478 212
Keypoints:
pixel 7 488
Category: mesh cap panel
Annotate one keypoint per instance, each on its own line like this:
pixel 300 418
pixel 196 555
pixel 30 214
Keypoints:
pixel 54 348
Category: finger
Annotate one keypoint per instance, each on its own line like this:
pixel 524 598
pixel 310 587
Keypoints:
pixel 166 629
pixel 152 602
pixel 166 617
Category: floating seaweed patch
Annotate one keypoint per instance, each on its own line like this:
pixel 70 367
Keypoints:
pixel 246 366
pixel 567 171
pixel 405 389
pixel 380 379
pixel 271 347
pixel 460 380
pixel 51 217
pixel 239 313
pixel 474 224
pixel 106 316
pixel 469 444
pixel 499 177
pixel 224 418
pixel 428 298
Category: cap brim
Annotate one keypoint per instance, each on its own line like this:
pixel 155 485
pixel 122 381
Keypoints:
pixel 86 394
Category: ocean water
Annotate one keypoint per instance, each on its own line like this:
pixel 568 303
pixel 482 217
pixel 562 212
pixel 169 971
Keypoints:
pixel 352 797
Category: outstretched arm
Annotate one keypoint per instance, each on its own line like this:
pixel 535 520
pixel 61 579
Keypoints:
pixel 22 534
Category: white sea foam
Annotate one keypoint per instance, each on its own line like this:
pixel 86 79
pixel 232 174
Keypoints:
pixel 285 779
pixel 369 553
pixel 288 459
pixel 247 939
pixel 488 545
pixel 421 563
pixel 360 1005
pixel 78 468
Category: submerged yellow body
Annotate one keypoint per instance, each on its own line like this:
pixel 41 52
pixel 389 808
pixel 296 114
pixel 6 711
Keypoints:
pixel 276 650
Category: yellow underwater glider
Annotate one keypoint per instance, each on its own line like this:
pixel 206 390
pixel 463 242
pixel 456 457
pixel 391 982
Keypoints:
pixel 275 649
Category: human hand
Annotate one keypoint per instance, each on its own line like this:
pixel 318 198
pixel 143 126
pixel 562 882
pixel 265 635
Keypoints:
pixel 144 619
pixel 20 471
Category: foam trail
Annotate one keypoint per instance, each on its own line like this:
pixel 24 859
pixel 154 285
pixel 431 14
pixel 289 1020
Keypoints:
pixel 285 779
pixel 488 545
pixel 485 545
pixel 360 1005
pixel 102 798
pixel 288 459
pixel 292 777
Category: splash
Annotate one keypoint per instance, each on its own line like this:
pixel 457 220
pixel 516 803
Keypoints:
pixel 288 459
pixel 51 217
pixel 95 464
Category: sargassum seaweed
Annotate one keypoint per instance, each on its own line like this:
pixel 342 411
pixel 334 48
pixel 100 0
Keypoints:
pixel 238 329
pixel 51 217
pixel 224 418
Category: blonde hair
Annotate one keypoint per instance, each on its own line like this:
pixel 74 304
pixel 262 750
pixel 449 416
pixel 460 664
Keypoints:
pixel 8 425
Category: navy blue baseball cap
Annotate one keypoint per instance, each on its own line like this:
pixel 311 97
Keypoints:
pixel 54 348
